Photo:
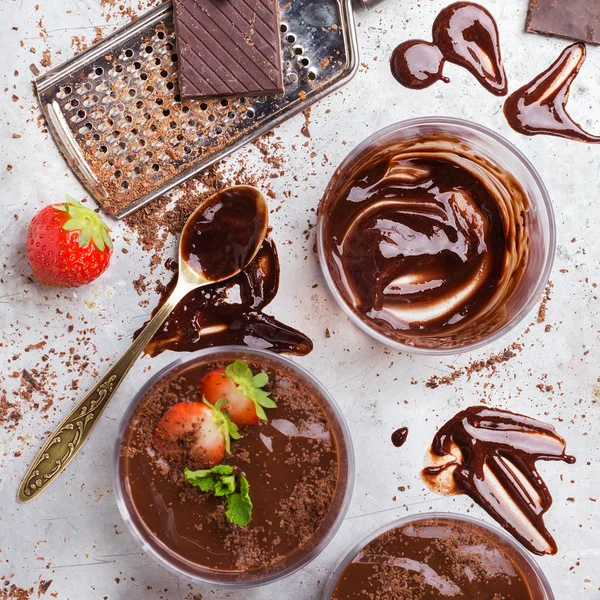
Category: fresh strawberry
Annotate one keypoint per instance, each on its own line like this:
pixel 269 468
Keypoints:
pixel 246 400
pixel 195 430
pixel 68 245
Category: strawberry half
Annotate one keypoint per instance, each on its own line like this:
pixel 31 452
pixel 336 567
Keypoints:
pixel 68 245
pixel 246 400
pixel 199 431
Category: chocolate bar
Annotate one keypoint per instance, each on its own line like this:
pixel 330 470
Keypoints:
pixel 228 48
pixel 573 19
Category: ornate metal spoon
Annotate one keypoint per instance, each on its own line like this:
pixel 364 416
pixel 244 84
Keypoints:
pixel 219 240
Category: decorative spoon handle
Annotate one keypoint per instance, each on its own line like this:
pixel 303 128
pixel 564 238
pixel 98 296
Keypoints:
pixel 69 436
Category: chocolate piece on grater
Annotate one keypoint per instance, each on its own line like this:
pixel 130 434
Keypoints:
pixel 228 48
pixel 574 19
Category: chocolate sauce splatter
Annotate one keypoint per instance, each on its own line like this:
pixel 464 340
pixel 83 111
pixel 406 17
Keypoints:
pixel 490 455
pixel 399 436
pixel 465 34
pixel 211 316
pixel 417 64
pixel 540 107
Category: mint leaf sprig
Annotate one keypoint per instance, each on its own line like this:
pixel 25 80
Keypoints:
pixel 251 385
pixel 221 481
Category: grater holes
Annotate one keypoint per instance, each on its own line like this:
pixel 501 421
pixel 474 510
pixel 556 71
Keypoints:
pixel 160 35
pixel 174 58
pixel 99 71
pixel 298 50
pixel 164 73
pixel 157 61
pixel 312 75
pixel 74 103
pixel 305 62
pixel 204 106
pixel 250 113
pixel 218 130
pixel 185 109
pixel 283 27
pixel 224 102
pixel 155 167
pixel 118 173
pixel 125 185
pixel 187 149
pixel 137 65
pixel 169 46
pixel 166 112
pixel 149 49
pixel 132 92
pixel 170 86
pixel 212 118
pixel 231 114
pixel 292 78
pixel 291 38
pixel 143 76
pixel 119 68
pixel 128 53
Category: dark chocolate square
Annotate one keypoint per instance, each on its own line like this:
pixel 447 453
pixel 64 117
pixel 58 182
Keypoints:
pixel 573 19
pixel 228 48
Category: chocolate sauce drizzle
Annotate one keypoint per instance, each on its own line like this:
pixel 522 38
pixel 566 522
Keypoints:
pixel 207 317
pixel 540 107
pixel 490 455
pixel 465 34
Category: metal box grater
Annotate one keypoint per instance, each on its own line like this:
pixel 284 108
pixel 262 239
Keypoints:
pixel 115 113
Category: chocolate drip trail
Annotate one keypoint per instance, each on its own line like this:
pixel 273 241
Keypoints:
pixel 540 107
pixel 208 317
pixel 465 34
pixel 490 455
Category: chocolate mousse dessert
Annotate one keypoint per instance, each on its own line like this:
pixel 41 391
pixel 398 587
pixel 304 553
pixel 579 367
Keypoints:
pixel 426 240
pixel 233 467
pixel 435 558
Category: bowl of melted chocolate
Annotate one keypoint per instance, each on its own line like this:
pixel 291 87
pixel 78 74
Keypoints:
pixel 436 236
pixel 233 467
pixel 438 556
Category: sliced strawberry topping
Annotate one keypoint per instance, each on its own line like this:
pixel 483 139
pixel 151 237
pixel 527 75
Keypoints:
pixel 197 431
pixel 217 385
pixel 241 389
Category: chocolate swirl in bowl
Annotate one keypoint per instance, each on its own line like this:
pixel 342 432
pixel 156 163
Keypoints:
pixel 426 240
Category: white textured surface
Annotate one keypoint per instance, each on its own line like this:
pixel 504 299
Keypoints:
pixel 73 534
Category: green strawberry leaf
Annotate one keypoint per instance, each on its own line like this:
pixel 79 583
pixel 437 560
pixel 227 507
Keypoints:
pixel 227 427
pixel 251 386
pixel 89 224
pixel 239 505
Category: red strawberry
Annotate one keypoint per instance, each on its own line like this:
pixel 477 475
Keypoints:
pixel 68 245
pixel 241 389
pixel 195 430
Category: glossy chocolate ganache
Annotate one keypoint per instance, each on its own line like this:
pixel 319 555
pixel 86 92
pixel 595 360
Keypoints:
pixel 436 558
pixel 295 463
pixel 426 240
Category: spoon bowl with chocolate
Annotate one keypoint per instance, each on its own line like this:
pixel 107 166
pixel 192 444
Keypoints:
pixel 438 556
pixel 218 241
pixel 233 467
pixel 436 236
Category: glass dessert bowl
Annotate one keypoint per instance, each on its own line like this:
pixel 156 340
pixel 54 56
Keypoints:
pixel 437 556
pixel 436 236
pixel 184 494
